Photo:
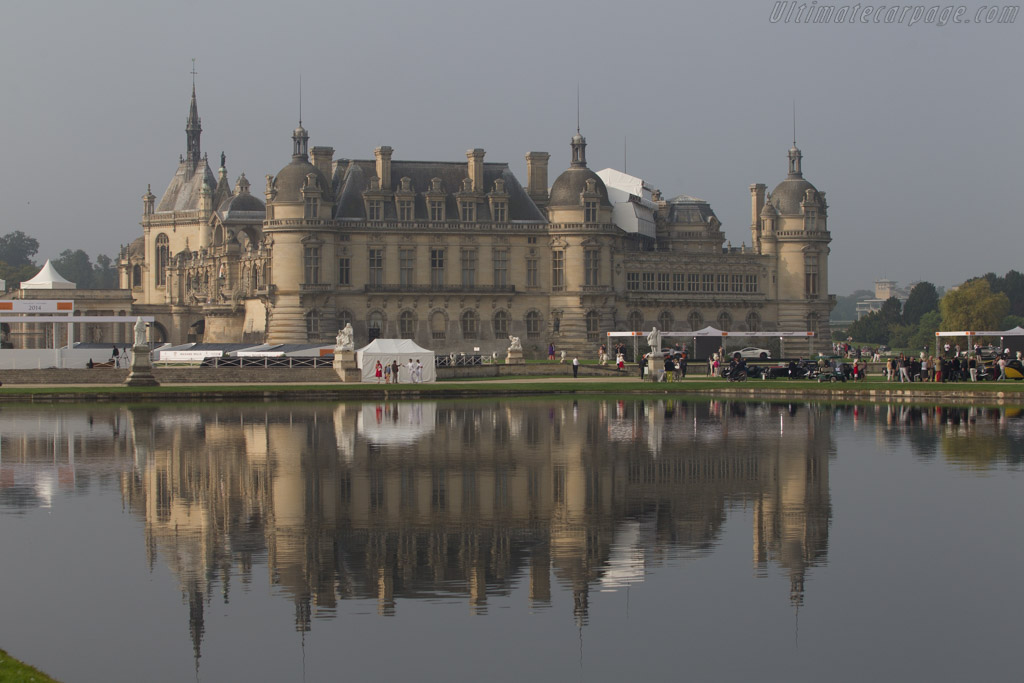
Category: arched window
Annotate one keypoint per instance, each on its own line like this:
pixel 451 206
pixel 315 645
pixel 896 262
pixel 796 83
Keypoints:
pixel 724 321
pixel 593 325
pixel 533 324
pixel 407 325
pixel 136 276
pixel 438 325
pixel 375 325
pixel 666 321
pixel 635 321
pixel 696 320
pixel 470 325
pixel 344 318
pixel 753 322
pixel 500 323
pixel 162 259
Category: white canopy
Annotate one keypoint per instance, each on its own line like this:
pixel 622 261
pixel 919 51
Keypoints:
pixel 1012 332
pixel 48 278
pixel 401 350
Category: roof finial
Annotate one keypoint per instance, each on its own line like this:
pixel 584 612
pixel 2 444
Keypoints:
pixel 300 100
pixel 794 122
pixel 194 72
pixel 577 107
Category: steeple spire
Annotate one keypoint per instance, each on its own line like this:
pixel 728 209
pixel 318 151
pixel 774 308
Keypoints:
pixel 193 127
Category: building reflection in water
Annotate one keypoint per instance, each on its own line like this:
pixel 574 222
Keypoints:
pixel 464 501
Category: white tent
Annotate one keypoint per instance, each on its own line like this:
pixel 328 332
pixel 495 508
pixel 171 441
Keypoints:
pixel 48 278
pixel 401 350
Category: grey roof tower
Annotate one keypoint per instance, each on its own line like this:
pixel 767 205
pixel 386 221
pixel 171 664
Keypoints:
pixel 193 129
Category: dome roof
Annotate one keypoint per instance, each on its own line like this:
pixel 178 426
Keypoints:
pixel 787 195
pixel 567 188
pixel 242 202
pixel 292 178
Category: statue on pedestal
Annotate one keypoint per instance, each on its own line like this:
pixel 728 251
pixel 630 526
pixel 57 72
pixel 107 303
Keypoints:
pixel 344 341
pixel 654 340
pixel 140 332
pixel 515 344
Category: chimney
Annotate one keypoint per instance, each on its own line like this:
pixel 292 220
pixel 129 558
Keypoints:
pixel 756 203
pixel 476 169
pixel 383 155
pixel 537 176
pixel 323 157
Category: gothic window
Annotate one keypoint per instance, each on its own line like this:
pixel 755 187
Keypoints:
pixel 162 259
pixel 470 325
pixel 136 276
pixel 500 323
pixel 665 321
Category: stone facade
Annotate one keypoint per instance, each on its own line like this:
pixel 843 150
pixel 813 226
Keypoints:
pixel 459 255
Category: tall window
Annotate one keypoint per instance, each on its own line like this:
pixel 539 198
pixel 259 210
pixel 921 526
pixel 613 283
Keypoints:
pixel 753 322
pixel 648 281
pixel 696 320
pixel 635 321
pixel 312 207
pixel 811 275
pixel 633 281
pixel 500 212
pixel 468 212
pixel 437 267
pixel 558 270
pixel 376 262
pixel 500 322
pixel 590 211
pixel 136 276
pixel 533 322
pixel 723 282
pixel 737 284
pixel 438 325
pixel 751 284
pixel 162 259
pixel 666 321
pixel 406 262
pixel 470 325
pixel 375 325
pixel 592 267
pixel 407 325
pixel 692 282
pixel 678 282
pixel 500 257
pixel 375 210
pixel 313 320
pixel 469 267
pixel 436 210
pixel 724 321
pixel 662 282
pixel 405 209
pixel 531 272
pixel 344 271
pixel 311 261
pixel 593 319
pixel 707 282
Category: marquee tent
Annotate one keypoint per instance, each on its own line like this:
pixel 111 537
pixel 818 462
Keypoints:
pixel 401 350
pixel 48 278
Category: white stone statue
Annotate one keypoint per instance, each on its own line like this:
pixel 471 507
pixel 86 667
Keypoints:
pixel 140 332
pixel 654 340
pixel 514 344
pixel 344 341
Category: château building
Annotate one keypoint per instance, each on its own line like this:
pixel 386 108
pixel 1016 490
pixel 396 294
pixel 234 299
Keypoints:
pixel 460 255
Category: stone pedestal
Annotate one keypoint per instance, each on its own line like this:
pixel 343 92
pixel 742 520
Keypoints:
pixel 345 366
pixel 514 357
pixel 141 374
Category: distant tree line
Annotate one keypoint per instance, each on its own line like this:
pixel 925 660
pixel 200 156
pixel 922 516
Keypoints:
pixel 17 264
pixel 989 302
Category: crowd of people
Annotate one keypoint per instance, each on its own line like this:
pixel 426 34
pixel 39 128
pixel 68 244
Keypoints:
pixel 389 371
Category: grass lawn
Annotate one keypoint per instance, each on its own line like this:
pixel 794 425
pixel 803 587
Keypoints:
pixel 13 671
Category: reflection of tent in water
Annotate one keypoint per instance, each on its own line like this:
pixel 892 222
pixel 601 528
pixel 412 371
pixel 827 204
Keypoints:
pixel 396 422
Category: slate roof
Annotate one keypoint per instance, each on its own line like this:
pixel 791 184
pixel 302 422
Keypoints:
pixel 183 192
pixel 353 178
pixel 689 210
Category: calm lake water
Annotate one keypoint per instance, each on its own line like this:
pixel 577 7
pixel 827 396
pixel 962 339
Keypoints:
pixel 589 540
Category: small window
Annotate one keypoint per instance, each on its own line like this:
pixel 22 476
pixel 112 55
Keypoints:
pixel 590 211
pixel 344 271
pixel 633 282
pixel 375 210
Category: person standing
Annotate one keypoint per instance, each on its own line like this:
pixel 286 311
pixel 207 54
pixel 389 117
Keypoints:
pixel 1002 367
pixel 378 371
pixel 412 371
pixel 394 371
pixel 551 351
pixel 575 366
pixel 115 357
pixel 642 363
pixel 972 368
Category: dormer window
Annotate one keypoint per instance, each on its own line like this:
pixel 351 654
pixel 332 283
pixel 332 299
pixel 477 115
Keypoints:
pixel 468 211
pixel 405 209
pixel 312 207
pixel 374 210
pixel 499 211
pixel 435 201
pixel 436 210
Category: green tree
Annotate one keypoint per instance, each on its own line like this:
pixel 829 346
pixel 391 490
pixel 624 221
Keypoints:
pixel 974 306
pixel 17 249
pixel 104 273
pixel 846 306
pixel 927 326
pixel 1012 285
pixel 75 265
pixel 870 328
pixel 923 298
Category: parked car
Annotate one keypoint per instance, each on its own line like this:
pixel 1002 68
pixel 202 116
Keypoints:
pixel 754 352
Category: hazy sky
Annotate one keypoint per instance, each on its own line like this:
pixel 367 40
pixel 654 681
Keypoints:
pixel 914 131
